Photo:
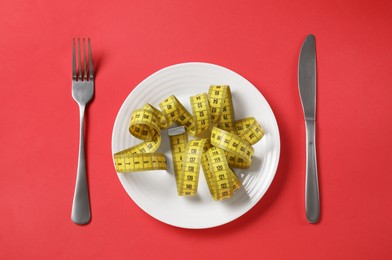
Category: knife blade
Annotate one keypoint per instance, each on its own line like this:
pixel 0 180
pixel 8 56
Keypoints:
pixel 307 92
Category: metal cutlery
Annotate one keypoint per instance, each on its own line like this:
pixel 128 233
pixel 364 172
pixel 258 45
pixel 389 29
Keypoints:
pixel 307 91
pixel 82 92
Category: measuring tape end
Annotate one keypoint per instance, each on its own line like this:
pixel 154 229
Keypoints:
pixel 177 130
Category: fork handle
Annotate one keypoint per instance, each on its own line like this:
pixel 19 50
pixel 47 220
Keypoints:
pixel 312 203
pixel 81 202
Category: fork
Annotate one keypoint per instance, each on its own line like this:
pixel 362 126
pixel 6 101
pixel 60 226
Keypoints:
pixel 82 92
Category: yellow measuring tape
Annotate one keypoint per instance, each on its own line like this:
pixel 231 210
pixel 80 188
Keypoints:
pixel 229 142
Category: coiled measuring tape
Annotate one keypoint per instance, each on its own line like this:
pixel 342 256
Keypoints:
pixel 145 124
pixel 229 143
pixel 187 158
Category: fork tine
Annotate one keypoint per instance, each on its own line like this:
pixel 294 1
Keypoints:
pixel 73 60
pixel 79 61
pixel 84 61
pixel 90 60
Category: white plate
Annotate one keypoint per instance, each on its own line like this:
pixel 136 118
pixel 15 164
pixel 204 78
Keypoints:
pixel 155 191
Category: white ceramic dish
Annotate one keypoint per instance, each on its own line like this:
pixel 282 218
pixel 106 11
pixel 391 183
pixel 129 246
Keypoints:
pixel 155 191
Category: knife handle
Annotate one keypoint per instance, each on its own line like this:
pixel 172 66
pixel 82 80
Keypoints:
pixel 312 202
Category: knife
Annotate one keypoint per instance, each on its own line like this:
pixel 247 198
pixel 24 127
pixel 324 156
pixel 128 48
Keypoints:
pixel 307 92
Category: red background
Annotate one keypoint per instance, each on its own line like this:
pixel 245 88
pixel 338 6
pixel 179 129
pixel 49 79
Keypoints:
pixel 260 40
